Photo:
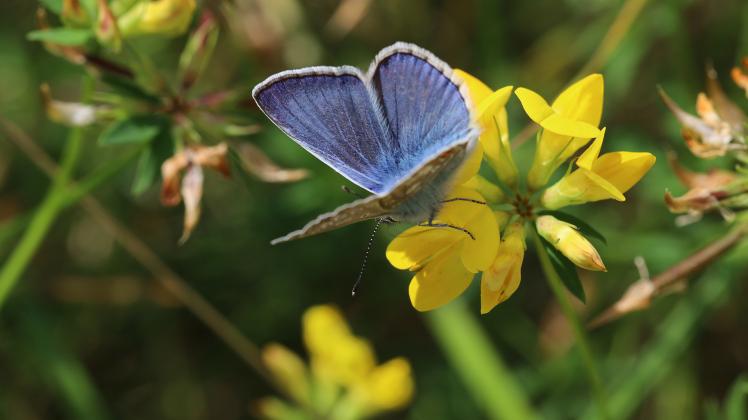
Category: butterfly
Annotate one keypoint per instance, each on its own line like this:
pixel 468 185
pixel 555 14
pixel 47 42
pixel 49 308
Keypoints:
pixel 399 131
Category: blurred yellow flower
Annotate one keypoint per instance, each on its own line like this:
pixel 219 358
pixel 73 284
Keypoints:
pixel 567 124
pixel 598 177
pixel 345 380
pixel 566 238
pixel 159 17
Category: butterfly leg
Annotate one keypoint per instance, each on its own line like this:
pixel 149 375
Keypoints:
pixel 469 200
pixel 431 223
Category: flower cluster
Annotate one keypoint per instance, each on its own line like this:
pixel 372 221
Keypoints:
pixel 445 261
pixel 344 380
pixel 179 129
pixel 718 129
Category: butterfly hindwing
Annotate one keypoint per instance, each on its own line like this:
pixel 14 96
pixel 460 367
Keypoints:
pixel 378 206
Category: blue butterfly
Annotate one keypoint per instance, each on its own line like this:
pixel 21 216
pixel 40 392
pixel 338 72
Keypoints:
pixel 399 131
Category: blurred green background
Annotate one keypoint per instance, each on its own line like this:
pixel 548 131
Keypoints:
pixel 89 334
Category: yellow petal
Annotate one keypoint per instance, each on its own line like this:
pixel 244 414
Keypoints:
pixel 578 187
pixel 495 135
pixel 471 166
pixel 323 325
pixel 502 278
pixel 582 101
pixel 440 281
pixel 544 115
pixel 388 386
pixel 534 105
pixel 478 90
pixel 415 246
pixel 346 361
pixel 493 103
pixel 593 151
pixel 478 219
pixel 288 370
pixel 477 254
pixel 568 127
pixel 623 169
pixel 486 188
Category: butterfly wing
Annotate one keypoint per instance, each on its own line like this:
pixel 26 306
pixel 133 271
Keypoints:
pixel 394 131
pixel 378 206
pixel 425 105
pixel 331 112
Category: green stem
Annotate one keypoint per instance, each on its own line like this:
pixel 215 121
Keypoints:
pixel 45 215
pixel 76 192
pixel 557 286
pixel 42 220
pixel 471 353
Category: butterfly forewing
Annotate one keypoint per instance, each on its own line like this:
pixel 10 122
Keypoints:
pixel 378 206
pixel 329 112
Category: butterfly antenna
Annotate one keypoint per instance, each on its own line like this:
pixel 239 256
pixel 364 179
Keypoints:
pixel 366 255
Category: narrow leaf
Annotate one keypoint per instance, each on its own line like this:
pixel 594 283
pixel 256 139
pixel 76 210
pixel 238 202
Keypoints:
pixel 584 227
pixel 61 36
pixel 737 400
pixel 149 164
pixel 566 270
pixel 128 88
pixel 54 6
pixel 132 130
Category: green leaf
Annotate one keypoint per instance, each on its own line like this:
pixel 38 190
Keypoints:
pixel 128 88
pixel 54 6
pixel 566 270
pixel 735 404
pixel 132 130
pixel 149 164
pixel 583 226
pixel 62 36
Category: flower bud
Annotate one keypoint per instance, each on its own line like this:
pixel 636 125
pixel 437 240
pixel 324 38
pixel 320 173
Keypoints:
pixel 106 28
pixel 74 14
pixel 566 238
pixel 502 278
pixel 157 17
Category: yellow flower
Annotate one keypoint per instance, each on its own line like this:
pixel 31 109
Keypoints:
pixel 502 278
pixel 345 376
pixel 566 238
pixel 388 387
pixel 446 259
pixel 489 109
pixel 598 177
pixel 567 124
pixel 336 354
pixel 160 17
pixel 288 369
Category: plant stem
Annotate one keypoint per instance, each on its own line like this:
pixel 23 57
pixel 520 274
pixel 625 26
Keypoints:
pixel 81 189
pixel 557 286
pixel 674 333
pixel 45 215
pixel 42 220
pixel 471 353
